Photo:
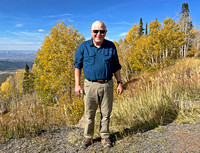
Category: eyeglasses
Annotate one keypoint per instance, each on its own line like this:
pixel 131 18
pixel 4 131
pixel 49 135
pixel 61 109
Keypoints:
pixel 101 31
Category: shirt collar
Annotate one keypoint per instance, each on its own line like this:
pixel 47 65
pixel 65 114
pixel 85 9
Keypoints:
pixel 92 44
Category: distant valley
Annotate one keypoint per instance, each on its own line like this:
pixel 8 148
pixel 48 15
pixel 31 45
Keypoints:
pixel 12 60
pixel 8 65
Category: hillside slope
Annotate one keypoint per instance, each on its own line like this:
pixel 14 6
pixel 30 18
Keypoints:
pixel 173 137
pixel 173 126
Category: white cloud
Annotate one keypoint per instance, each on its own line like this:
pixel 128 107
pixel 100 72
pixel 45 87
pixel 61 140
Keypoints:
pixel 40 30
pixel 64 17
pixel 55 16
pixel 15 44
pixel 18 25
pixel 28 35
pixel 68 20
pixel 124 22
pixel 123 34
pixel 22 40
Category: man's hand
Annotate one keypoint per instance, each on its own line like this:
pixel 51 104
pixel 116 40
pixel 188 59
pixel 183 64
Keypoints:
pixel 78 90
pixel 119 85
pixel 119 89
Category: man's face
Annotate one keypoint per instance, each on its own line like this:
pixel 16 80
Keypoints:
pixel 98 34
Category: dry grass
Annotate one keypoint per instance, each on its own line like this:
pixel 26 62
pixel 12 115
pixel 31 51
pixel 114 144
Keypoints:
pixel 160 98
pixel 29 118
pixel 153 100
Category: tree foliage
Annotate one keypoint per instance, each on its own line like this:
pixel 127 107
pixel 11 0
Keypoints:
pixel 53 68
pixel 154 50
pixel 186 26
pixel 162 44
pixel 141 29
pixel 12 91
pixel 6 88
pixel 28 81
pixel 146 29
pixel 122 49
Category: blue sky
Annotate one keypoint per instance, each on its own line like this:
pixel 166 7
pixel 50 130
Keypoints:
pixel 23 23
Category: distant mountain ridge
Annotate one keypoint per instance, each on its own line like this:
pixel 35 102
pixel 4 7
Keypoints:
pixel 16 59
pixel 14 65
pixel 17 55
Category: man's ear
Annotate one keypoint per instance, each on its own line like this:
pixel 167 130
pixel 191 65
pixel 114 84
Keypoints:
pixel 106 32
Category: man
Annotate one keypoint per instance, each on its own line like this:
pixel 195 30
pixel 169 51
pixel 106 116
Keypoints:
pixel 99 60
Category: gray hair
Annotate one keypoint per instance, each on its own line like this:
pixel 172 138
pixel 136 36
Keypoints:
pixel 99 24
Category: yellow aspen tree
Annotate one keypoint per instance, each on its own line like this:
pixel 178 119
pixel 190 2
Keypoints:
pixel 142 58
pixel 131 38
pixel 194 49
pixel 18 77
pixel 132 34
pixel 122 49
pixel 155 50
pixel 53 68
pixel 141 53
pixel 156 41
pixel 173 39
pixel 11 89
pixel 166 40
pixel 6 89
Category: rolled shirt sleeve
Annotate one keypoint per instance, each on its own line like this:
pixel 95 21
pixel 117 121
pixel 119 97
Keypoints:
pixel 79 57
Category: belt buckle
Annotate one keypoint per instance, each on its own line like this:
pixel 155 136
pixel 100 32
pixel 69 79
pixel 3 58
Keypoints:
pixel 100 81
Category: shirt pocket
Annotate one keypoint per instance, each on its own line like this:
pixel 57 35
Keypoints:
pixel 90 59
pixel 108 56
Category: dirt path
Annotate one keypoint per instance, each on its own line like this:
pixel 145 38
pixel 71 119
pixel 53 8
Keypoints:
pixel 172 138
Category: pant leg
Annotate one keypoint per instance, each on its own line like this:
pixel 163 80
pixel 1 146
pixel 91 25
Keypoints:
pixel 90 101
pixel 106 109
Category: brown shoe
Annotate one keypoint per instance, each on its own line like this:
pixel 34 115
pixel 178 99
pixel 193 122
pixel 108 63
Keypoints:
pixel 86 142
pixel 106 143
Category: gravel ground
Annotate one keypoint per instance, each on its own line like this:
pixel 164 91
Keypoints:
pixel 171 138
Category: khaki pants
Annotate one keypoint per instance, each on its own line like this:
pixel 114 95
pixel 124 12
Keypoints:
pixel 97 94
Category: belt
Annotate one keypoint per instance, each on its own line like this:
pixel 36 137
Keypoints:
pixel 100 81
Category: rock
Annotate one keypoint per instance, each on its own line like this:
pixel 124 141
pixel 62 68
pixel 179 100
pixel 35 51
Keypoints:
pixel 3 110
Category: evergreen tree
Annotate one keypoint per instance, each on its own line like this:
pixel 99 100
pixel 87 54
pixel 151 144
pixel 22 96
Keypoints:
pixel 27 81
pixel 185 10
pixel 146 29
pixel 185 20
pixel 141 29
pixel 186 26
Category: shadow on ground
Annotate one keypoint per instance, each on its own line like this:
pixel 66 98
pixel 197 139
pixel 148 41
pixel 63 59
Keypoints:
pixel 169 115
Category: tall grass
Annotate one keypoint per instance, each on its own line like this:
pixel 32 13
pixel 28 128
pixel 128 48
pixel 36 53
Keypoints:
pixel 30 118
pixel 159 98
pixel 155 99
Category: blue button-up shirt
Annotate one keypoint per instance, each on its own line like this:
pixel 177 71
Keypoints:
pixel 97 63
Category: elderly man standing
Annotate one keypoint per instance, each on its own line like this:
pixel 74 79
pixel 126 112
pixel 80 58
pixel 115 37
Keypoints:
pixel 99 60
